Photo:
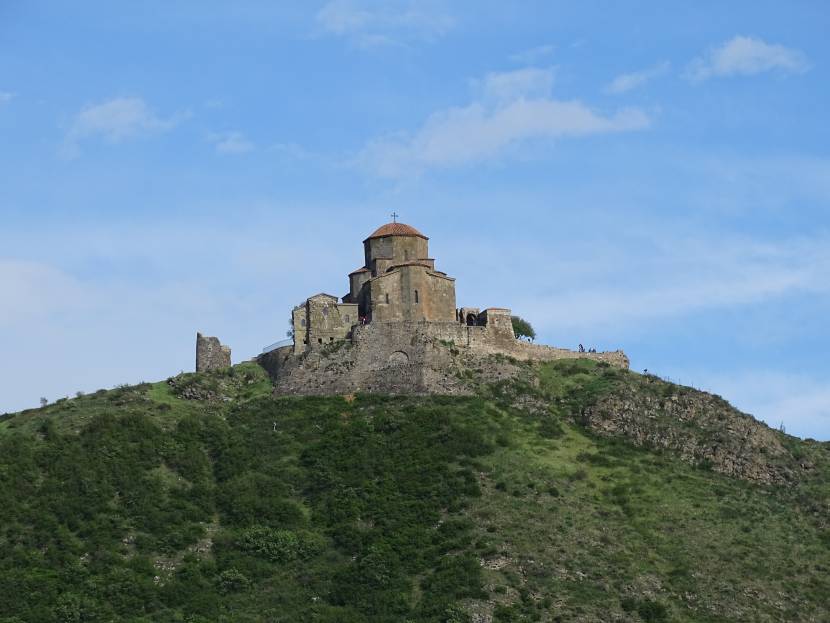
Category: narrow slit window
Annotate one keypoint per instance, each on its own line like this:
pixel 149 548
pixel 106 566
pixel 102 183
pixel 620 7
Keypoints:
pixel 416 296
pixel 387 297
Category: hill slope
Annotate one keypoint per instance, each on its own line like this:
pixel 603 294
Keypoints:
pixel 568 492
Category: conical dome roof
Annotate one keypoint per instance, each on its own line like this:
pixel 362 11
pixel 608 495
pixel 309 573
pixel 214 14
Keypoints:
pixel 396 229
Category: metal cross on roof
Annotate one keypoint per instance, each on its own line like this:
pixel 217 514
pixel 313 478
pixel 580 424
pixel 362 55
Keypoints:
pixel 395 217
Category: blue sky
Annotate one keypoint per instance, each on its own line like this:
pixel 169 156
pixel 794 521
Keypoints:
pixel 651 176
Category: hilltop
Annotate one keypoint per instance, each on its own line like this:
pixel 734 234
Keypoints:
pixel 557 491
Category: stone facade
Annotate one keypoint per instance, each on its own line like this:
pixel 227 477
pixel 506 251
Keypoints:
pixel 211 354
pixel 321 319
pixel 411 292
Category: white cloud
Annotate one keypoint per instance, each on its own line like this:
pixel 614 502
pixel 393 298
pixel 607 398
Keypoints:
pixel 627 82
pixel 370 23
pixel 527 82
pixel 6 96
pixel 533 55
pixel 118 119
pixel 516 107
pixel 231 143
pixel 115 120
pixel 746 56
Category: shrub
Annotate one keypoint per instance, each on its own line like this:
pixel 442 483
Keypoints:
pixel 650 611
pixel 549 428
pixel 231 581
pixel 522 328
pixel 280 545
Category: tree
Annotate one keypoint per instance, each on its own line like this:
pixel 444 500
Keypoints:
pixel 522 328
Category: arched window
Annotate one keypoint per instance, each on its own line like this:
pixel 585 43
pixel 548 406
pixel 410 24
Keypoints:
pixel 416 296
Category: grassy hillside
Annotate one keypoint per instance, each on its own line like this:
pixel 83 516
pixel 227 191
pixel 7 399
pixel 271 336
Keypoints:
pixel 573 492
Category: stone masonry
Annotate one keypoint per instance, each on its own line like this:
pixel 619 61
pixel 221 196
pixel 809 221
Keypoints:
pixel 414 357
pixel 210 354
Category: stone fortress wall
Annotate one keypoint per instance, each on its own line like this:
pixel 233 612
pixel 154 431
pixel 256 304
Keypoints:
pixel 495 338
pixel 411 357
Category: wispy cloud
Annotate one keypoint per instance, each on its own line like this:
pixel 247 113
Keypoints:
pixel 746 56
pixel 635 79
pixel 679 276
pixel 522 83
pixel 115 120
pixel 515 106
pixel 533 55
pixel 6 96
pixel 233 143
pixel 369 23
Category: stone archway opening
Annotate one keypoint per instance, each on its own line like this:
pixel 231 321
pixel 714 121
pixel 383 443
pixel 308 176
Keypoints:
pixel 472 320
pixel 398 358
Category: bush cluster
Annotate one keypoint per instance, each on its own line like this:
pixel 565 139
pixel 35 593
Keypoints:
pixel 293 510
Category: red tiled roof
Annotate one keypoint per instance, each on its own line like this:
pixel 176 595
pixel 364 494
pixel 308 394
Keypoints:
pixel 396 229
pixel 362 269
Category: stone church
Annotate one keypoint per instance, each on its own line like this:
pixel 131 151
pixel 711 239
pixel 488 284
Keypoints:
pixel 397 282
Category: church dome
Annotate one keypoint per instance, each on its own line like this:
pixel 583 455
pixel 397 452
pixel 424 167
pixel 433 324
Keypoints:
pixel 396 229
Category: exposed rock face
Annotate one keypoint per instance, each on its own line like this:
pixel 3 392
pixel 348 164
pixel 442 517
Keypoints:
pixel 211 354
pixel 698 427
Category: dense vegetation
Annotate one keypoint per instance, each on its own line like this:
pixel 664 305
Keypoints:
pixel 205 499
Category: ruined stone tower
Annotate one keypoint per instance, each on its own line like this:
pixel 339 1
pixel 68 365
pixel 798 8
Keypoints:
pixel 210 354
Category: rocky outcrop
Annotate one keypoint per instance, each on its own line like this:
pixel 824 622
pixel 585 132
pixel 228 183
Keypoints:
pixel 699 427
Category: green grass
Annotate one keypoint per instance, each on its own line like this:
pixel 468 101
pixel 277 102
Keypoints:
pixel 203 498
pixel 593 523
